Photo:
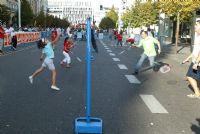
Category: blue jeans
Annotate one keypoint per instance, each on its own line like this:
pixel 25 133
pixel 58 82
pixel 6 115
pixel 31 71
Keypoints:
pixel 141 60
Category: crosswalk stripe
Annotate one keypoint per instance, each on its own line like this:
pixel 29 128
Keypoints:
pixel 112 54
pixel 121 66
pixel 132 79
pixel 116 59
pixel 153 104
pixel 109 51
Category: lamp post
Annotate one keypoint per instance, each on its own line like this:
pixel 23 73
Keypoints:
pixel 19 13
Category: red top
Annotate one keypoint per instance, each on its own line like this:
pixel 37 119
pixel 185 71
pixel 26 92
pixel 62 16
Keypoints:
pixel 54 35
pixel 67 46
pixel 1 32
pixel 119 37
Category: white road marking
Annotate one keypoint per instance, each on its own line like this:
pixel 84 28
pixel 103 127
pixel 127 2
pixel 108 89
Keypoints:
pixel 122 52
pixel 132 79
pixel 112 54
pixel 121 66
pixel 109 51
pixel 78 59
pixel 102 42
pixel 116 59
pixel 153 104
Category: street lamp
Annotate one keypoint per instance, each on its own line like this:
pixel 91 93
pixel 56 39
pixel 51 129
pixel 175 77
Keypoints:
pixel 19 13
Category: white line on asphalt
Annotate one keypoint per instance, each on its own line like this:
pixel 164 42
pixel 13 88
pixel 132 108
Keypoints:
pixel 78 59
pixel 132 79
pixel 121 66
pixel 122 52
pixel 106 48
pixel 102 42
pixel 109 51
pixel 116 59
pixel 153 104
pixel 112 54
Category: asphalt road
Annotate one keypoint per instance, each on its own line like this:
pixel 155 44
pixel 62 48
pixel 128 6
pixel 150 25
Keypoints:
pixel 149 103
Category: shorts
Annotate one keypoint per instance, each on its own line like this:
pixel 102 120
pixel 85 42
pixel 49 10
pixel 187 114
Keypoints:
pixel 48 63
pixel 195 74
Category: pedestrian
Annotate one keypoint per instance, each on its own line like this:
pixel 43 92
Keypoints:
pixel 68 44
pixel 47 50
pixel 94 45
pixel 119 38
pixel 69 32
pixel 54 34
pixel 148 44
pixel 1 38
pixel 14 41
pixel 193 73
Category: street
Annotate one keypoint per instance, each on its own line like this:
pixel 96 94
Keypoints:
pixel 147 103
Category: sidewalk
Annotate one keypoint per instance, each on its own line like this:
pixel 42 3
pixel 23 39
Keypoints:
pixel 170 50
pixel 169 55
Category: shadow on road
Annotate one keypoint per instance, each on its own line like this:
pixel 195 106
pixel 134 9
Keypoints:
pixel 196 128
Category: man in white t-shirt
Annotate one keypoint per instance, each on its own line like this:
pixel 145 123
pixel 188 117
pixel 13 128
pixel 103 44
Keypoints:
pixel 69 34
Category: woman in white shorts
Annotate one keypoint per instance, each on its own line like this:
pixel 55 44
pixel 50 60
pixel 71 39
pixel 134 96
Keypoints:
pixel 47 50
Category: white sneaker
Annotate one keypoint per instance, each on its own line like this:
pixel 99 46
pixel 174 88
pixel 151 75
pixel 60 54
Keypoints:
pixel 31 79
pixel 55 87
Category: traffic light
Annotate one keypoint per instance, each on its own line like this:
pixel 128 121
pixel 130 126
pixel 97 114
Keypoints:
pixel 101 7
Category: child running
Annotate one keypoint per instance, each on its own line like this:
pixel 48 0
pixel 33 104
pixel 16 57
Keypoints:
pixel 47 50
pixel 68 44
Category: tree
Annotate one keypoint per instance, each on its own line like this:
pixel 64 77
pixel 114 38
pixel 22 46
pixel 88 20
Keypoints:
pixel 107 23
pixel 112 15
pixel 185 8
pixel 40 19
pixel 110 20
pixel 26 13
pixel 142 14
pixel 180 11
pixel 4 14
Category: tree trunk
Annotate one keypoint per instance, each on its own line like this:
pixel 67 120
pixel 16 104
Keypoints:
pixel 174 32
pixel 177 31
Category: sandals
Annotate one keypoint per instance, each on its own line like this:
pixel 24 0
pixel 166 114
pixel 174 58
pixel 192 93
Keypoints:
pixel 193 96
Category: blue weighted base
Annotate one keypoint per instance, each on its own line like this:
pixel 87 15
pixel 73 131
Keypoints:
pixel 94 126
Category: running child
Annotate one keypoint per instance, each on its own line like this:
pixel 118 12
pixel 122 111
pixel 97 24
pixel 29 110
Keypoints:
pixel 68 44
pixel 47 51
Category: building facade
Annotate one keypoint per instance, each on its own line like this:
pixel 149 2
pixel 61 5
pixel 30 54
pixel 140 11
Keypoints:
pixel 76 11
pixel 38 5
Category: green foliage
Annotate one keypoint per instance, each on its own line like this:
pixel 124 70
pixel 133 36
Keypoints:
pixel 110 20
pixel 142 14
pixel 39 20
pixel 26 13
pixel 49 21
pixel 184 7
pixel 107 23
pixel 4 14
pixel 112 15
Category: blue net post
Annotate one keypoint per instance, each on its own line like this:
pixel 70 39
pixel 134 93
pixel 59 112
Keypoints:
pixel 88 67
